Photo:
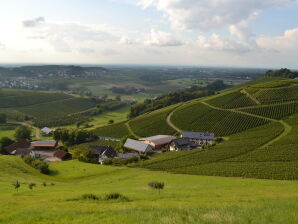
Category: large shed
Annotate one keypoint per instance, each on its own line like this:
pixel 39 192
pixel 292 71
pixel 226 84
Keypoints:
pixel 138 146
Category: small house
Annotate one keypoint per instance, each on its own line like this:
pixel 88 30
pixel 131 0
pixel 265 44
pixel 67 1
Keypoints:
pixel 18 148
pixel 44 145
pixel 62 155
pixel 46 131
pixel 158 141
pixel 100 153
pixel 182 144
pixel 138 146
pixel 200 138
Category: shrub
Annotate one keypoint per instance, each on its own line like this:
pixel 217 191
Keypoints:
pixel 89 197
pixel 37 163
pixel 31 185
pixel 115 196
pixel 156 185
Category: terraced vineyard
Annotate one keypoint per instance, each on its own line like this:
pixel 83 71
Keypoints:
pixel 152 123
pixel 115 130
pixel 232 100
pixel 200 117
pixel 277 111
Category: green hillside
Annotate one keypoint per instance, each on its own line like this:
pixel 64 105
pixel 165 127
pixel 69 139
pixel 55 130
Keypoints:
pixel 185 199
pixel 260 128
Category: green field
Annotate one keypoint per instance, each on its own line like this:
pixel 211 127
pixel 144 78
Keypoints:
pixel 185 199
pixel 115 130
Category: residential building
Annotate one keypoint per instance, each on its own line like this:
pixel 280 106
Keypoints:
pixel 100 153
pixel 182 144
pixel 138 146
pixel 46 131
pixel 200 138
pixel 62 155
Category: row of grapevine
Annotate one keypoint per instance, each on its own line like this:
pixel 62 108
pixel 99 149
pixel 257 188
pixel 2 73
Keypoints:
pixel 115 130
pixel 152 124
pixel 199 117
pixel 237 145
pixel 278 111
pixel 232 100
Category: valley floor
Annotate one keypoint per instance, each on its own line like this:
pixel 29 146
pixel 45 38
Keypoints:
pixel 185 199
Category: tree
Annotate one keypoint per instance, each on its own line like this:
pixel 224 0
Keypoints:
pixel 3 118
pixel 111 121
pixel 22 133
pixel 5 141
pixel 16 185
pixel 156 185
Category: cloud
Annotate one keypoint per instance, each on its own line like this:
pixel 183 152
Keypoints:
pixel 33 22
pixel 2 46
pixel 162 39
pixel 286 42
pixel 209 14
pixel 128 41
pixel 110 52
pixel 87 50
pixel 218 43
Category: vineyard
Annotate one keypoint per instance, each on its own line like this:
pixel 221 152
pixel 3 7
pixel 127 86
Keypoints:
pixel 277 111
pixel 274 95
pixel 20 98
pixel 200 117
pixel 182 161
pixel 115 130
pixel 152 123
pixel 232 100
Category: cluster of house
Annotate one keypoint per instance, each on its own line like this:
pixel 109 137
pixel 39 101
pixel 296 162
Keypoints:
pixel 42 149
pixel 48 149
pixel 187 141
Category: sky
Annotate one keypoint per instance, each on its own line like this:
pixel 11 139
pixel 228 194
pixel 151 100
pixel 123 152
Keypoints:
pixel 239 33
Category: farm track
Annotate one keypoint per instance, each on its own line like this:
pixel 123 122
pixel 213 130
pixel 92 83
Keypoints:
pixel 287 128
pixel 169 122
pixel 130 130
pixel 250 96
pixel 37 130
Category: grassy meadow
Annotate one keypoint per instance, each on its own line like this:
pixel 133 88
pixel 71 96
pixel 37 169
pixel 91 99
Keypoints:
pixel 185 199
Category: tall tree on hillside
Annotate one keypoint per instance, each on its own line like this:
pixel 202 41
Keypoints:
pixel 22 133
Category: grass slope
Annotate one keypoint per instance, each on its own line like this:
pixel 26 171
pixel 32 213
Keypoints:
pixel 115 130
pixel 185 199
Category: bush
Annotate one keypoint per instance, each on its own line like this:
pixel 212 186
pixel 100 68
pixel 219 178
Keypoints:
pixel 38 164
pixel 115 196
pixel 89 197
pixel 156 185
pixel 120 162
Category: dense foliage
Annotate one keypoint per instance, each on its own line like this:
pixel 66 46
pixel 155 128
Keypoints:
pixel 283 73
pixel 37 163
pixel 73 137
pixel 176 97
pixel 22 133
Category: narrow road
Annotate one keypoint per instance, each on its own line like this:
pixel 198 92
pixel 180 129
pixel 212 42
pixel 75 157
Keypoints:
pixel 287 128
pixel 37 130
pixel 169 122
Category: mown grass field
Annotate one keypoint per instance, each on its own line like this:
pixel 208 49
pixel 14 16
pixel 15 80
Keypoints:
pixel 115 130
pixel 185 199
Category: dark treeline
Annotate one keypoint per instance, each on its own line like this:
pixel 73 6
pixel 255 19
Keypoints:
pixel 172 98
pixel 283 73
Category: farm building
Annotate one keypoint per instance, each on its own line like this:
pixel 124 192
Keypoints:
pixel 199 138
pixel 158 141
pixel 19 148
pixel 182 144
pixel 138 146
pixel 100 153
pixel 46 131
pixel 62 155
pixel 44 145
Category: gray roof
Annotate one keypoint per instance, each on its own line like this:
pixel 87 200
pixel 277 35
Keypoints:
pixel 198 135
pixel 159 139
pixel 127 155
pixel 137 145
pixel 46 130
pixel 45 143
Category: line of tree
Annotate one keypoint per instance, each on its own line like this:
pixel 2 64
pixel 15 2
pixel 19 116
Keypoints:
pixel 73 137
pixel 193 92
pixel 283 73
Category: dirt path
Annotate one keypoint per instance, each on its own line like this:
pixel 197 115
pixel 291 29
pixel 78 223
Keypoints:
pixel 250 96
pixel 287 128
pixel 37 130
pixel 169 122
pixel 130 130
